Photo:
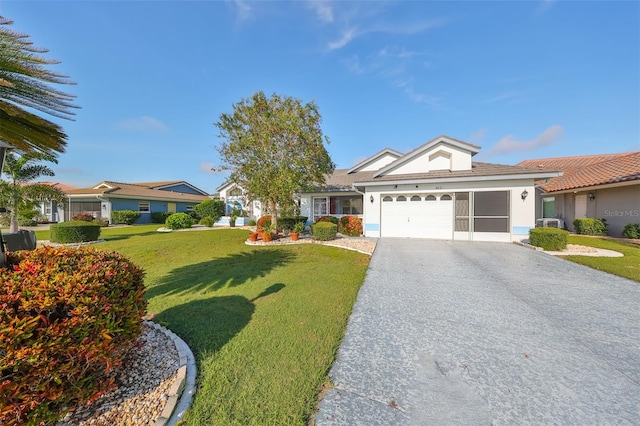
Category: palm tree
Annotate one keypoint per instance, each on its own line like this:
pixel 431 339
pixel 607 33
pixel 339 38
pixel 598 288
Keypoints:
pixel 20 190
pixel 24 83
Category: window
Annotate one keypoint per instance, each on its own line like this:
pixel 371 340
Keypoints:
pixel 430 198
pixel 189 207
pixel 401 198
pixel 347 205
pixel 462 212
pixel 416 198
pixel 549 207
pixel 143 206
pixel 319 207
pixel 445 197
pixel 235 192
pixel 387 199
pixel 491 211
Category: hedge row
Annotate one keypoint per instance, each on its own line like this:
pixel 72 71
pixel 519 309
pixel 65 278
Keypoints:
pixel 590 226
pixel 67 317
pixel 74 231
pixel 552 239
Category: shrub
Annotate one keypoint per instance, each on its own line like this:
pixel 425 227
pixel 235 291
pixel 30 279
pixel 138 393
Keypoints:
pixel 331 219
pixel 83 216
pixel 590 226
pixel 324 231
pixel 207 221
pixel 631 230
pixel 214 208
pixel 263 222
pixel 75 231
pixel 548 238
pixel 251 222
pixel 23 221
pixel 179 221
pixel 67 318
pixel 160 217
pixel 289 222
pixel 103 222
pixel 350 225
pixel 124 217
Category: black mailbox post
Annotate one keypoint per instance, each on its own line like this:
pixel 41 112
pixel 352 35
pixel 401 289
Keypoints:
pixel 3 151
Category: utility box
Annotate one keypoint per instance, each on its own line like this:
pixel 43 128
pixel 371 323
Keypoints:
pixel 21 240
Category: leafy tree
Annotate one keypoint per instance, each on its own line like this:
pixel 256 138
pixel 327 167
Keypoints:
pixel 273 147
pixel 24 83
pixel 19 190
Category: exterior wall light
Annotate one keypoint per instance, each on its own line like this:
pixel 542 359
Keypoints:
pixel 592 196
pixel 371 199
pixel 524 195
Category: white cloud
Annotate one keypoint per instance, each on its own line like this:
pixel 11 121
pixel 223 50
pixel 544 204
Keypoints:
pixel 509 144
pixel 244 10
pixel 323 10
pixel 144 123
pixel 510 97
pixel 346 37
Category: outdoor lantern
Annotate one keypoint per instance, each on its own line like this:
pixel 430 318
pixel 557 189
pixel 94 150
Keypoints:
pixel 592 196
pixel 371 199
pixel 524 195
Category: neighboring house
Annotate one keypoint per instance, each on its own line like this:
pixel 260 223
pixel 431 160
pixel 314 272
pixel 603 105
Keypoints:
pixel 51 210
pixel 145 197
pixel 231 194
pixel 598 186
pixel 434 191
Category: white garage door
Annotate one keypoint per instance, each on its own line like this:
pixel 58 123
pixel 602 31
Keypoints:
pixel 417 216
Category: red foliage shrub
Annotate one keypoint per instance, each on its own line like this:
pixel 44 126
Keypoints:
pixel 263 222
pixel 67 317
pixel 86 217
pixel 350 225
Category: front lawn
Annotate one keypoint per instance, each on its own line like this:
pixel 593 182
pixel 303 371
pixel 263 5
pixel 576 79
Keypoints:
pixel 264 323
pixel 627 266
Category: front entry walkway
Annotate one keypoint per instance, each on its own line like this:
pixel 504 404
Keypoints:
pixel 477 333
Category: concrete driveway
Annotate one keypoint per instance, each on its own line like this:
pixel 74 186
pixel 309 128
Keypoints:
pixel 457 333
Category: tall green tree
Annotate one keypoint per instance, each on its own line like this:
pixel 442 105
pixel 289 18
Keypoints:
pixel 20 190
pixel 274 147
pixel 25 82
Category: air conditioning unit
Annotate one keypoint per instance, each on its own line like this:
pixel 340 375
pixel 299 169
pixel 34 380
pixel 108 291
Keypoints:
pixel 550 222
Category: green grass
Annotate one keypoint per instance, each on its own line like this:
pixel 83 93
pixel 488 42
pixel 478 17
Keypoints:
pixel 627 266
pixel 264 323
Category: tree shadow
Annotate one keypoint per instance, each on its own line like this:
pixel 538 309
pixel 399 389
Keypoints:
pixel 208 324
pixel 229 271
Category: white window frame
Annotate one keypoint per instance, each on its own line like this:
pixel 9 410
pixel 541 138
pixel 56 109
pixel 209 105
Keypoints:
pixel 141 206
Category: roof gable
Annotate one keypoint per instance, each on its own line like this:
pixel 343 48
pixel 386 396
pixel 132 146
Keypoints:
pixel 376 161
pixel 441 153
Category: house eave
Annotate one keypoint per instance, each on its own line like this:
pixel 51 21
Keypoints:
pixel 457 179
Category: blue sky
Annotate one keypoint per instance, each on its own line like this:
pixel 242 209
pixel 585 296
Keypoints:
pixel 521 79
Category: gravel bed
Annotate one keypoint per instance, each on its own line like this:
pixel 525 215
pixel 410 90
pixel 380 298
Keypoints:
pixel 143 384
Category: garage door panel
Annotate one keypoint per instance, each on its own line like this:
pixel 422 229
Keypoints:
pixel 418 219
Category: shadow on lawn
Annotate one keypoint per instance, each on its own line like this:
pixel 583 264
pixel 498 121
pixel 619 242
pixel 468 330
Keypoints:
pixel 232 270
pixel 208 324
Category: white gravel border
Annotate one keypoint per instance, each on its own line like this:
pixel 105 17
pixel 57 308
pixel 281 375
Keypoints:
pixel 181 392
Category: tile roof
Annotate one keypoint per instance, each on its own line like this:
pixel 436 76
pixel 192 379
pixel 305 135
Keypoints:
pixel 135 190
pixel 590 170
pixel 61 186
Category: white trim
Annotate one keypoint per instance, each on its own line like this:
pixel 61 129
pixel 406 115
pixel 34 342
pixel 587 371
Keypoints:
pixel 458 179
pixel 374 158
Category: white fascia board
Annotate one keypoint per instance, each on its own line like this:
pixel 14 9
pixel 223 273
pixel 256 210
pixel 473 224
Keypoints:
pixel 457 179
pixel 374 158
